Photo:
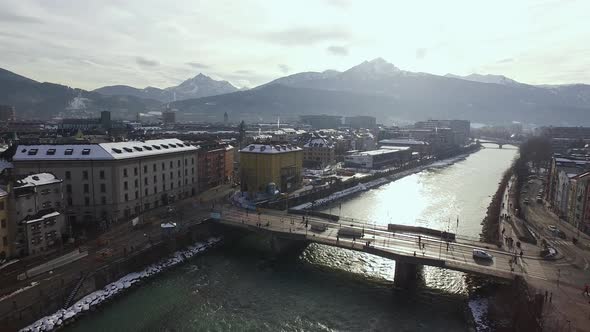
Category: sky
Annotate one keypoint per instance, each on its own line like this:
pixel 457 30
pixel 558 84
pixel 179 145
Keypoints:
pixel 91 43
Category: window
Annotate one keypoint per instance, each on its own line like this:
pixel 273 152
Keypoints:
pixel 103 188
pixel 193 160
pixel 171 175
pixel 103 200
pixel 115 150
pixel 163 177
pixel 171 164
pixel 137 148
pixel 155 190
pixel 128 149
pixel 145 168
pixel 179 172
pixel 50 152
pixel 32 152
pixel 69 201
pixel 126 197
pixel 146 191
pixel 87 201
pixel 5 241
pixel 163 166
pixel 135 171
pixel 85 152
pixel 3 223
pixel 85 175
pixel 69 152
pixel 136 183
pixel 163 187
pixel 125 186
pixel 179 184
pixel 136 194
pixel 185 172
pixel 101 174
pixel 86 188
pixel 125 172
pixel 171 185
pixel 68 175
pixel 154 167
pixel 178 162
pixel 2 205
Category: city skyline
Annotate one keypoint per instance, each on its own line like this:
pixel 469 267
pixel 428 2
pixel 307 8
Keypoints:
pixel 93 44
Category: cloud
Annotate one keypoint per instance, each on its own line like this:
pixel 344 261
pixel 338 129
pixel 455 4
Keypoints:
pixel 284 68
pixel 146 62
pixel 337 50
pixel 243 72
pixel 197 65
pixel 14 18
pixel 307 36
pixel 507 60
pixel 420 53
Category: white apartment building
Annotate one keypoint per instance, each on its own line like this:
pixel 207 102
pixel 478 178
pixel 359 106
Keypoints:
pixel 36 205
pixel 114 181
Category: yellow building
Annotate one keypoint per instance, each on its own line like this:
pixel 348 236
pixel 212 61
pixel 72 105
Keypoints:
pixel 4 226
pixel 264 164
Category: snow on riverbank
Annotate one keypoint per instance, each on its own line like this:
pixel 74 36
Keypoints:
pixel 94 299
pixel 479 311
pixel 377 182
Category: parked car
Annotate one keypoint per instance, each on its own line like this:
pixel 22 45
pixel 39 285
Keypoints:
pixel 552 228
pixel 482 254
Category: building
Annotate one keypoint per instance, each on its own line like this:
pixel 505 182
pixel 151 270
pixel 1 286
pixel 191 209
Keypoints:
pixel 114 181
pixel 7 113
pixel 416 146
pixel 217 164
pixel 36 202
pixel 360 121
pixel 563 138
pixel 376 159
pixel 318 152
pixel 5 248
pixel 168 117
pixel 262 165
pixel 460 128
pixel 104 123
pixel 322 121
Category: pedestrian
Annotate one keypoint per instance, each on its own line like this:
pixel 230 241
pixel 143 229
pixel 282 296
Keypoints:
pixel 414 254
pixel 521 254
pixel 447 246
pixel 419 240
pixel 423 246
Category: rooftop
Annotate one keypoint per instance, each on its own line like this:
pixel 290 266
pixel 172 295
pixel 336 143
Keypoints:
pixel 102 151
pixel 270 149
pixel 404 141
pixel 38 179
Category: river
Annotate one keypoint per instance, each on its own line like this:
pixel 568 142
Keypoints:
pixel 239 288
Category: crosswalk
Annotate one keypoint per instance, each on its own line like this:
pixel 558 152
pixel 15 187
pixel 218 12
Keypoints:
pixel 561 242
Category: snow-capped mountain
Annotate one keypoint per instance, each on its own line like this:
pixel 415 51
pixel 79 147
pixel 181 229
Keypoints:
pixel 373 69
pixel 494 79
pixel 303 77
pixel 196 87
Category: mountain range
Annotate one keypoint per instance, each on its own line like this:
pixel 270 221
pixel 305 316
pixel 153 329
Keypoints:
pixel 373 87
pixel 196 87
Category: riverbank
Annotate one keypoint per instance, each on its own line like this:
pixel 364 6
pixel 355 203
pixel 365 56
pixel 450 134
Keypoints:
pixel 364 186
pixel 97 298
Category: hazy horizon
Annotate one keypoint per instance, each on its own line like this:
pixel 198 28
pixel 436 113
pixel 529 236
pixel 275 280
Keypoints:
pixel 148 43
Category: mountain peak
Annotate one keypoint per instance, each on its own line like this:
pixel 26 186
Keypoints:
pixel 375 67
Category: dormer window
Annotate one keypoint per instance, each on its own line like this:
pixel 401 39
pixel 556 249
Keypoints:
pixel 68 152
pixel 85 152
pixel 50 152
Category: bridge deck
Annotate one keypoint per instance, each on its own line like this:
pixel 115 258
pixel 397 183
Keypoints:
pixel 393 245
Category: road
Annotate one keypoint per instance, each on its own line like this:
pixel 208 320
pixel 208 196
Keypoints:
pixel 398 245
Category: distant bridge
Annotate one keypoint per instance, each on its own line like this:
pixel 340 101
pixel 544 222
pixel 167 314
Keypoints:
pixel 499 141
pixel 410 248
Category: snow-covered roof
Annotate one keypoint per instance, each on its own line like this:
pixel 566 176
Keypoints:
pixel 409 141
pixel 378 152
pixel 38 179
pixel 270 149
pixel 43 217
pixel 318 142
pixel 102 151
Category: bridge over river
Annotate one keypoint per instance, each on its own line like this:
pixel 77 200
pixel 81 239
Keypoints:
pixel 409 246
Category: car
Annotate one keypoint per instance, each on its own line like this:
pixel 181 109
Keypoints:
pixel 482 254
pixel 552 228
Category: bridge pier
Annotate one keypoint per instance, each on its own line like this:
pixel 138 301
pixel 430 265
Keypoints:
pixel 280 245
pixel 406 275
